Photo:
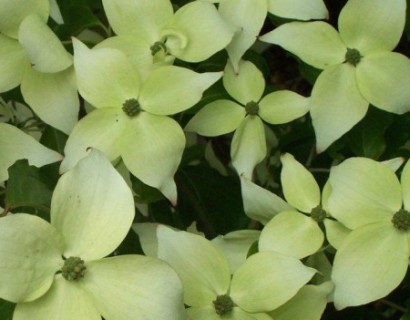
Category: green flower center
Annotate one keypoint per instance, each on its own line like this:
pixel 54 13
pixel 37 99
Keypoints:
pixel 252 108
pixel 401 220
pixel 318 214
pixel 353 56
pixel 223 304
pixel 131 107
pixel 157 47
pixel 73 269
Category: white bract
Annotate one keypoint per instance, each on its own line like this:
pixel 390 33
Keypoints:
pixel 130 119
pixel 373 259
pixel 262 283
pixel 246 114
pixel 16 145
pixel 150 32
pixel 248 16
pixel 32 56
pixel 57 270
pixel 359 67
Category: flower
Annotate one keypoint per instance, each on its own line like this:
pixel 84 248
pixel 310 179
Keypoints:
pixel 359 67
pixel 373 259
pixel 248 17
pixel 32 56
pixel 245 116
pixel 262 283
pixel 157 35
pixel 130 119
pixel 56 270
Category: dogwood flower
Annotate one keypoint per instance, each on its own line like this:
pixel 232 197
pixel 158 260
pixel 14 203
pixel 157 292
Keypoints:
pixel 151 32
pixel 56 270
pixel 32 56
pixel 130 119
pixel 359 67
pixel 16 145
pixel 262 283
pixel 247 18
pixel 373 259
pixel 302 192
pixel 245 116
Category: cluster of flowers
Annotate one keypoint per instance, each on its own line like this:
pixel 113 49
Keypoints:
pixel 60 270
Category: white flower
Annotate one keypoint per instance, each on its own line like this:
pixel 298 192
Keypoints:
pixel 359 67
pixel 57 271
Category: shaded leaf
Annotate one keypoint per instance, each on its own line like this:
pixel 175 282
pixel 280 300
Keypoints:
pixel 27 187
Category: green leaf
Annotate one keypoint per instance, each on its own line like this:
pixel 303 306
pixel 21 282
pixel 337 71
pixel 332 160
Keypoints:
pixel 27 187
pixel 77 18
pixel 367 138
pixel 6 310
pixel 54 139
pixel 145 193
pixel 213 200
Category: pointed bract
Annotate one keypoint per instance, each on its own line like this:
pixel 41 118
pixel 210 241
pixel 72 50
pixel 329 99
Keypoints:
pixel 78 212
pixel 30 253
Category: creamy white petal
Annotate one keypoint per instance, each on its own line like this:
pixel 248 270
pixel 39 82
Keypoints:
pixel 308 304
pixel 383 79
pixel 105 77
pixel 267 280
pixel 170 89
pixel 44 49
pixel 64 301
pixel 147 237
pixel 13 62
pixel 358 197
pixel 205 275
pixel 217 118
pixel 100 129
pixel 210 34
pixel 372 25
pixel 260 204
pixel 13 13
pixel 93 208
pixel 136 49
pixel 370 263
pixel 246 84
pixel 282 106
pixel 291 233
pixel 336 232
pixel 336 104
pixel 247 18
pixel 299 186
pixel 316 43
pixel 30 255
pixel 53 97
pixel 151 147
pixel 143 18
pixel 235 245
pixel 134 287
pixel 299 9
pixel 16 145
pixel 55 12
pixel 248 146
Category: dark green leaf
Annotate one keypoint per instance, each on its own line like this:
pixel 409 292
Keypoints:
pixel 213 200
pixel 367 139
pixel 27 187
pixel 145 193
pixel 6 310
pixel 77 18
pixel 54 139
